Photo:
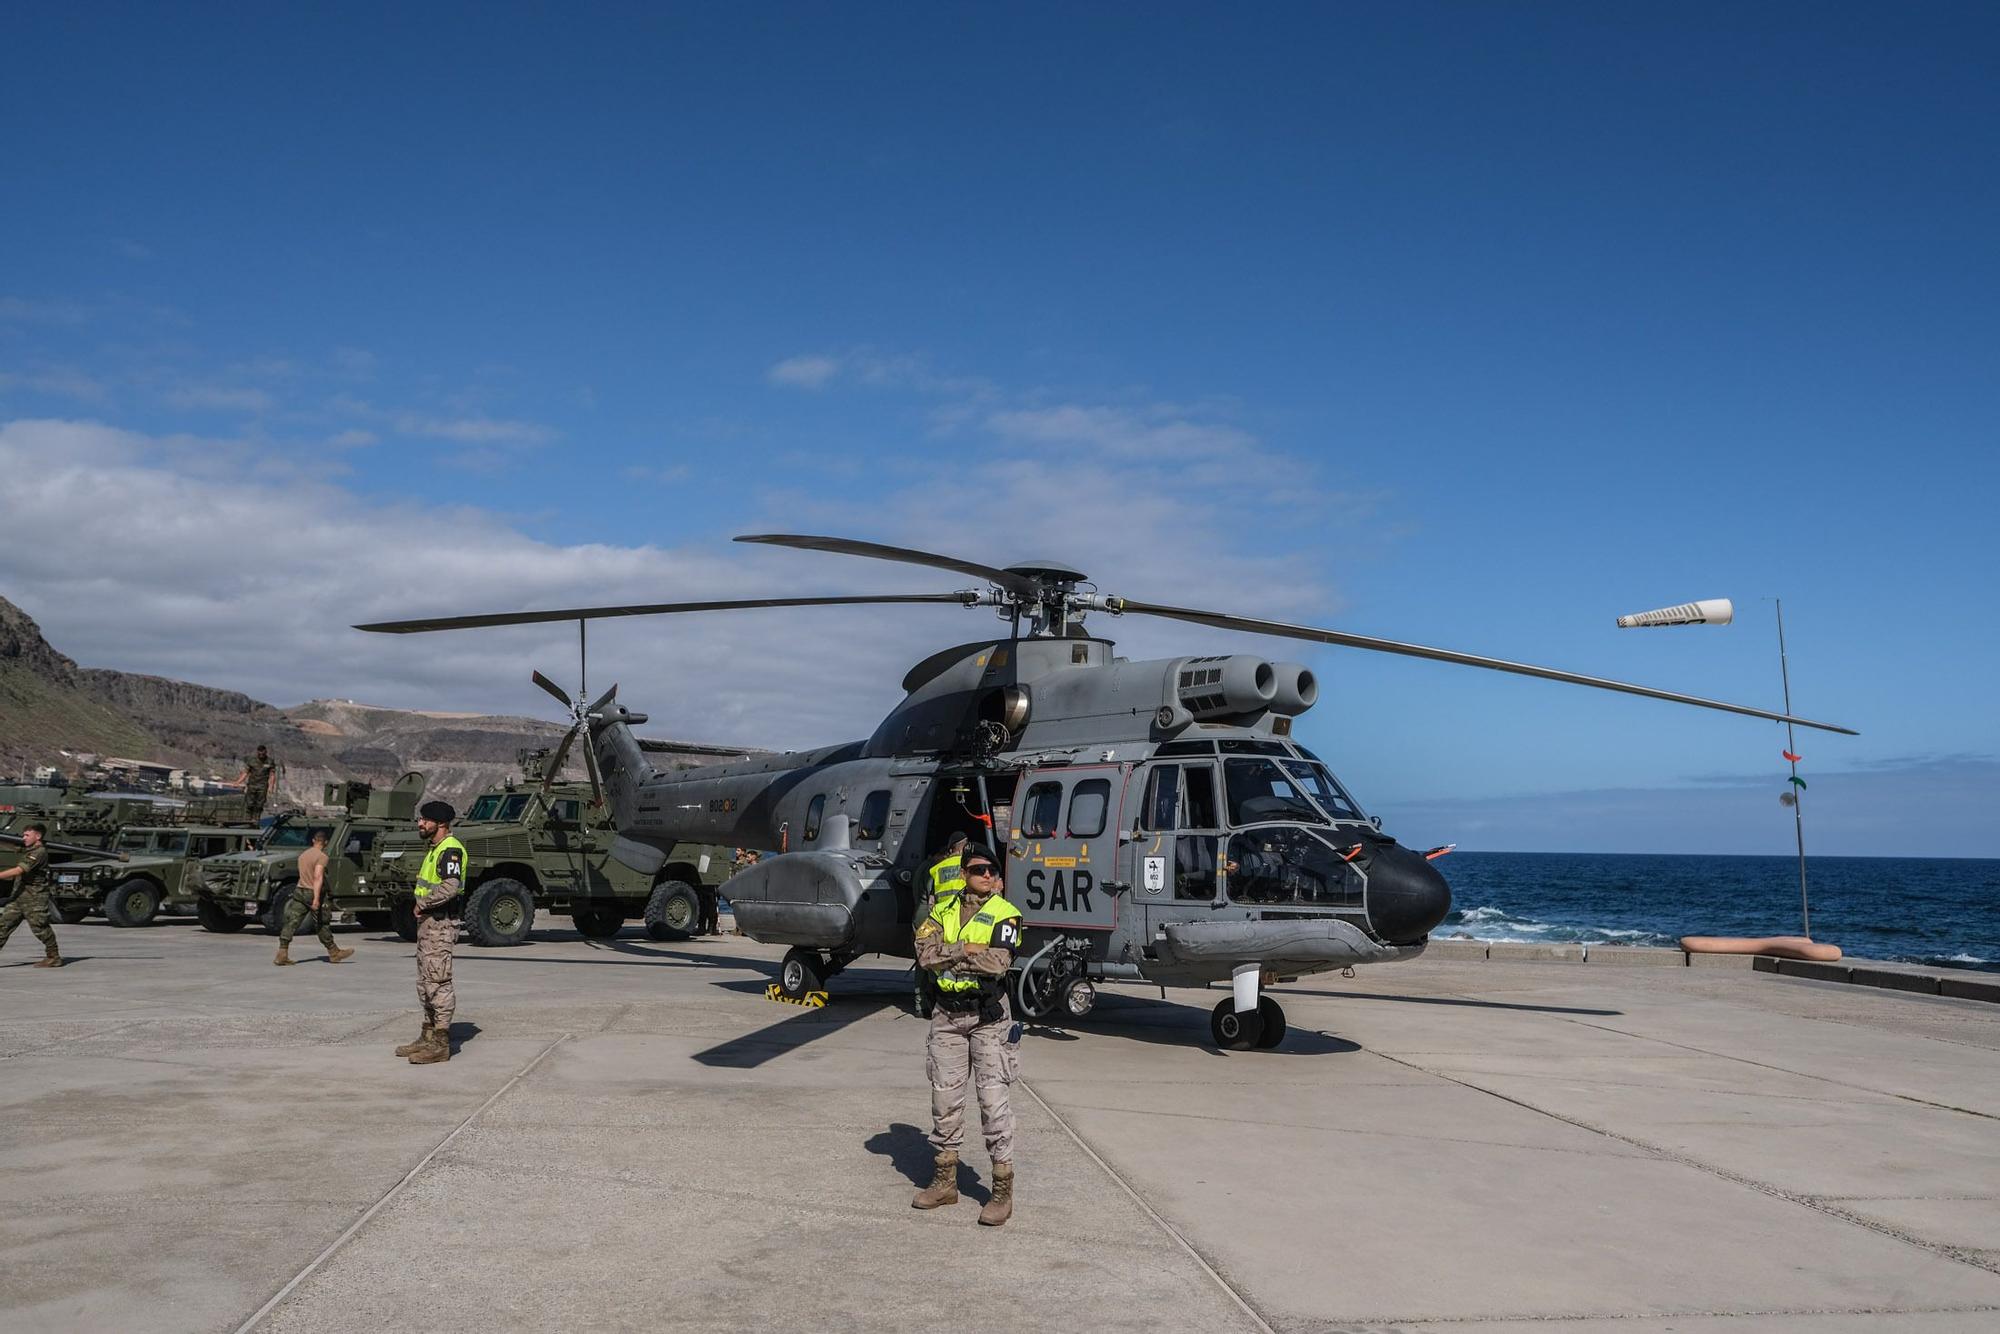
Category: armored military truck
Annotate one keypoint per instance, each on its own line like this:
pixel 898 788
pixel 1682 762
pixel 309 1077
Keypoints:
pixel 254 884
pixel 80 819
pixel 160 872
pixel 540 849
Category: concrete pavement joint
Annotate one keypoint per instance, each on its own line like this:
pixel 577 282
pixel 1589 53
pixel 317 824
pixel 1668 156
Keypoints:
pixel 355 1227
pixel 1963 1255
pixel 1150 1212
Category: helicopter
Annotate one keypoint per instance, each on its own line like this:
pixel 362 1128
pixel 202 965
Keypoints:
pixel 1157 820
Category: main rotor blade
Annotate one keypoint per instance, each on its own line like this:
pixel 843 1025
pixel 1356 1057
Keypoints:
pixel 1223 621
pixel 553 689
pixel 646 609
pixel 590 766
pixel 1019 585
pixel 554 771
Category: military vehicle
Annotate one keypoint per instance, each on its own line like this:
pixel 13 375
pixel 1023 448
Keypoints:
pixel 545 845
pixel 1156 819
pixel 160 871
pixel 86 824
pixel 254 884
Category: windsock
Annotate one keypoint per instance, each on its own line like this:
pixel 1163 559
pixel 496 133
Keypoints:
pixel 1709 611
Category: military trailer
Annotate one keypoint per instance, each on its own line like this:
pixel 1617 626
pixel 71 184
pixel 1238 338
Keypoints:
pixel 160 872
pixel 253 885
pixel 536 848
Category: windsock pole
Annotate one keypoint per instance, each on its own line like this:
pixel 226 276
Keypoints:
pixel 1798 788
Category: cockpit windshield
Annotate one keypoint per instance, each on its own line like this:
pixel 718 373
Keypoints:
pixel 1281 865
pixel 1322 787
pixel 1260 791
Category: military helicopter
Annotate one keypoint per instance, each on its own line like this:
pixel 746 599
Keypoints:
pixel 1157 820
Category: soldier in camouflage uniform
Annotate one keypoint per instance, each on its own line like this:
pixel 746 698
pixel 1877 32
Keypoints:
pixel 31 896
pixel 440 881
pixel 258 778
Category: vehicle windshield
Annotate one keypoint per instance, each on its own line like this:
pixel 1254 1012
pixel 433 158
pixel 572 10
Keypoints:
pixel 288 836
pixel 485 808
pixel 1283 865
pixel 1323 788
pixel 133 840
pixel 1261 791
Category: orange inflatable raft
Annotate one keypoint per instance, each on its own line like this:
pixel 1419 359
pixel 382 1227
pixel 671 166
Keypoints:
pixel 1783 947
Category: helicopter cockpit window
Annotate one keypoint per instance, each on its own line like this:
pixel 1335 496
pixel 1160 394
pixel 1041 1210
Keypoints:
pixel 1185 748
pixel 1260 791
pixel 874 815
pixel 1237 745
pixel 511 808
pixel 1289 866
pixel 484 809
pixel 1163 798
pixel 1200 809
pixel 1088 803
pixel 1322 788
pixel 1040 811
pixel 814 810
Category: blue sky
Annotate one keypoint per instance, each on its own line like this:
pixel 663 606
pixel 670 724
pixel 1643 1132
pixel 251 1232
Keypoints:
pixel 1468 324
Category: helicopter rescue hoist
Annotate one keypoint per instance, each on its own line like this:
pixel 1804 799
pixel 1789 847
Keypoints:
pixel 1158 820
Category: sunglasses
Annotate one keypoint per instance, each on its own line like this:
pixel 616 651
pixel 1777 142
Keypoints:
pixel 982 868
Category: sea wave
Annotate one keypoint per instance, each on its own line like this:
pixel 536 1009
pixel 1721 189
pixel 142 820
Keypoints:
pixel 1494 924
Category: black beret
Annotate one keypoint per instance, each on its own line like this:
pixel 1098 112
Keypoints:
pixel 438 811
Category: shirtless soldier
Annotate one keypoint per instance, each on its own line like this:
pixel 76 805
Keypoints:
pixel 309 900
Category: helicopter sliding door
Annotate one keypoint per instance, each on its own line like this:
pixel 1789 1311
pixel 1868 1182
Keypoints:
pixel 1178 849
pixel 1062 855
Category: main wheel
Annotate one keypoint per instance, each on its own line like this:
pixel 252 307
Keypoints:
pixel 800 973
pixel 217 917
pixel 274 911
pixel 1271 1023
pixel 1233 1031
pixel 500 912
pixel 1077 999
pixel 133 901
pixel 674 911
pixel 598 923
pixel 71 912
pixel 403 918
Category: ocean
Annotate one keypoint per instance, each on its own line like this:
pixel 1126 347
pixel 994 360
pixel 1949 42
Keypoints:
pixel 1933 910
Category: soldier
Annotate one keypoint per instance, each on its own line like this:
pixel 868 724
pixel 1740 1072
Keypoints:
pixel 31 896
pixel 968 942
pixel 440 881
pixel 946 875
pixel 259 779
pixel 308 900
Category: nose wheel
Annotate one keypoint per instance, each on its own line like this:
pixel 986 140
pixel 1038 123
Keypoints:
pixel 1241 1030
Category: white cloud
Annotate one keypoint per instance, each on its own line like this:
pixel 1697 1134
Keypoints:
pixel 355 439
pixel 473 430
pixel 220 398
pixel 804 372
pixel 61 381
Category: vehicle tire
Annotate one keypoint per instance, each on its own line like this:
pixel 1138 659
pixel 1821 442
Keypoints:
pixel 375 919
pixel 1233 1031
pixel 217 917
pixel 133 901
pixel 274 911
pixel 499 913
pixel 598 923
pixel 1271 1023
pixel 71 913
pixel 674 911
pixel 800 973
pixel 403 918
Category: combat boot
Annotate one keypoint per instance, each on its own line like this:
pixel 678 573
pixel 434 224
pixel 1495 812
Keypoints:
pixel 412 1048
pixel 943 1189
pixel 284 956
pixel 438 1049
pixel 336 954
pixel 50 960
pixel 1000 1205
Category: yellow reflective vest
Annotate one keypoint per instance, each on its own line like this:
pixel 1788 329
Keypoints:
pixel 427 872
pixel 997 922
pixel 948 876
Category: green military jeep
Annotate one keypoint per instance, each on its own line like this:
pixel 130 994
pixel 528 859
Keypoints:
pixel 536 847
pixel 254 884
pixel 83 820
pixel 161 870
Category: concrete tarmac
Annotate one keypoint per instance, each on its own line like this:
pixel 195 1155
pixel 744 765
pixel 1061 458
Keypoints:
pixel 632 1137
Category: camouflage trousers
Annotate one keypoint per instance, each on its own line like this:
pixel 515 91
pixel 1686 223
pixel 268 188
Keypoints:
pixel 962 1048
pixel 298 911
pixel 30 906
pixel 435 938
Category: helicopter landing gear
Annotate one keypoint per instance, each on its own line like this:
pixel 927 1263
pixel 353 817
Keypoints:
pixel 1271 1023
pixel 1247 1019
pixel 802 971
pixel 1051 986
pixel 1234 1029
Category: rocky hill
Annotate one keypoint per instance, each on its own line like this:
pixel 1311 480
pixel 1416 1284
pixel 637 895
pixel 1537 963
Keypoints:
pixel 49 705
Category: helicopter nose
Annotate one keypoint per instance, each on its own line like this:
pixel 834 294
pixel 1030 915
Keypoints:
pixel 1406 895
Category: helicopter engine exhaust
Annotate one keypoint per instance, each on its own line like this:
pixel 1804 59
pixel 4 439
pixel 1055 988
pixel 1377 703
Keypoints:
pixel 1224 686
pixel 1298 689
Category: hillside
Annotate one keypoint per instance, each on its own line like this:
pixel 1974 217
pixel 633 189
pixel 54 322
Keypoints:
pixel 48 704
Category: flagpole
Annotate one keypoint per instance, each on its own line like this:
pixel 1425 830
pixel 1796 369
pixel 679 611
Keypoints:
pixel 1798 789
